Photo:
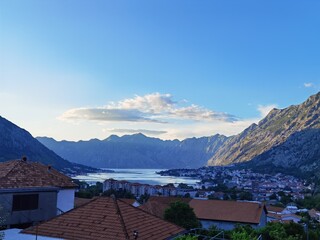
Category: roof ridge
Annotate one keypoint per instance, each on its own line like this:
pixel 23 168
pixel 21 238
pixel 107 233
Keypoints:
pixel 60 215
pixel 121 217
pixel 138 208
pixel 17 162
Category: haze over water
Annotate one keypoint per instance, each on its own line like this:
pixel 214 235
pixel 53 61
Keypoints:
pixel 144 176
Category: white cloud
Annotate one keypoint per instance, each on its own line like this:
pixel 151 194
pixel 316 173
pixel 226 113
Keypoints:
pixel 153 107
pixel 198 113
pixel 105 114
pixel 265 109
pixel 308 85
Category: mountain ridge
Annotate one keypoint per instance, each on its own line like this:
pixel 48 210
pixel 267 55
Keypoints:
pixel 281 128
pixel 16 142
pixel 138 151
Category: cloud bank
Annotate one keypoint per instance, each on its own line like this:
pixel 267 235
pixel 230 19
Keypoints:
pixel 155 107
pixel 158 115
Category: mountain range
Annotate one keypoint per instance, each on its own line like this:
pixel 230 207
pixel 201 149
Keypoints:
pixel 16 143
pixel 138 151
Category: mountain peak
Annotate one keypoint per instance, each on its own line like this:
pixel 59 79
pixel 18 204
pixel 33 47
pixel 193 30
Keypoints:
pixel 272 131
pixel 16 142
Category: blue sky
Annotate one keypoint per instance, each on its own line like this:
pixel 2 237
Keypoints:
pixel 170 69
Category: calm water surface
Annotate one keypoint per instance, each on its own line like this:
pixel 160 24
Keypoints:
pixel 146 176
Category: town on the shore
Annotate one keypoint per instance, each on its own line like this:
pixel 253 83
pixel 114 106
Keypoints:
pixel 223 183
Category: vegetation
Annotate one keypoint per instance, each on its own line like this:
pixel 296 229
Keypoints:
pixel 88 191
pixel 118 194
pixel 184 186
pixel 273 231
pixel 182 214
pixel 231 193
pixel 310 202
pixel 186 237
pixel 143 198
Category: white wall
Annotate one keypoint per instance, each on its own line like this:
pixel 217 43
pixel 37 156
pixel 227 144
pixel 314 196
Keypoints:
pixel 65 199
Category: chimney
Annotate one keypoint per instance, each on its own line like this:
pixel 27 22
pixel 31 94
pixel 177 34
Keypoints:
pixel 49 168
pixel 24 158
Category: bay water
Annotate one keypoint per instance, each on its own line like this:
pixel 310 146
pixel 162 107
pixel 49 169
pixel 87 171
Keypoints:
pixel 143 176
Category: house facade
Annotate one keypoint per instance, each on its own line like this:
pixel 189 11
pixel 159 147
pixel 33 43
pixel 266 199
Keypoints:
pixel 139 189
pixel 31 192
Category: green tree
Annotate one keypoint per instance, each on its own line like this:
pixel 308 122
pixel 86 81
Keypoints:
pixel 181 214
pixel 143 198
pixel 89 191
pixel 184 186
pixel 279 231
pixel 187 237
pixel 240 236
pixel 245 196
pixel 273 196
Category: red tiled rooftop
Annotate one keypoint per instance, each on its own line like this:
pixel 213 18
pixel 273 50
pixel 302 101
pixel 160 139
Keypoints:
pixel 81 201
pixel 275 209
pixel 27 174
pixel 158 205
pixel 106 218
pixel 231 211
pixel 245 212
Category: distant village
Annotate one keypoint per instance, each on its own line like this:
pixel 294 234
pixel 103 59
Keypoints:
pixel 222 183
pixel 263 187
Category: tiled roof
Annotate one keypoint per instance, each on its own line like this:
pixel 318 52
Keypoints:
pixel 27 174
pixel 231 211
pixel 106 218
pixel 274 215
pixel 129 201
pixel 81 201
pixel 158 205
pixel 275 209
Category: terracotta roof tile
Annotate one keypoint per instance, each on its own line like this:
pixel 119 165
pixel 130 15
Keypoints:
pixel 158 205
pixel 27 174
pixel 232 211
pixel 275 209
pixel 81 201
pixel 106 218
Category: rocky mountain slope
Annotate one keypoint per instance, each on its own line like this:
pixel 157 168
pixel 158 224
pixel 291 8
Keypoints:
pixel 285 137
pixel 138 151
pixel 16 142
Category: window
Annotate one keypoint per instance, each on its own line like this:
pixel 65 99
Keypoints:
pixel 25 202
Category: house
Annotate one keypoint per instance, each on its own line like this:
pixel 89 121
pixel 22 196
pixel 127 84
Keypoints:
pixel 314 214
pixel 226 214
pixel 106 218
pixel 279 214
pixel 31 192
pixel 223 214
